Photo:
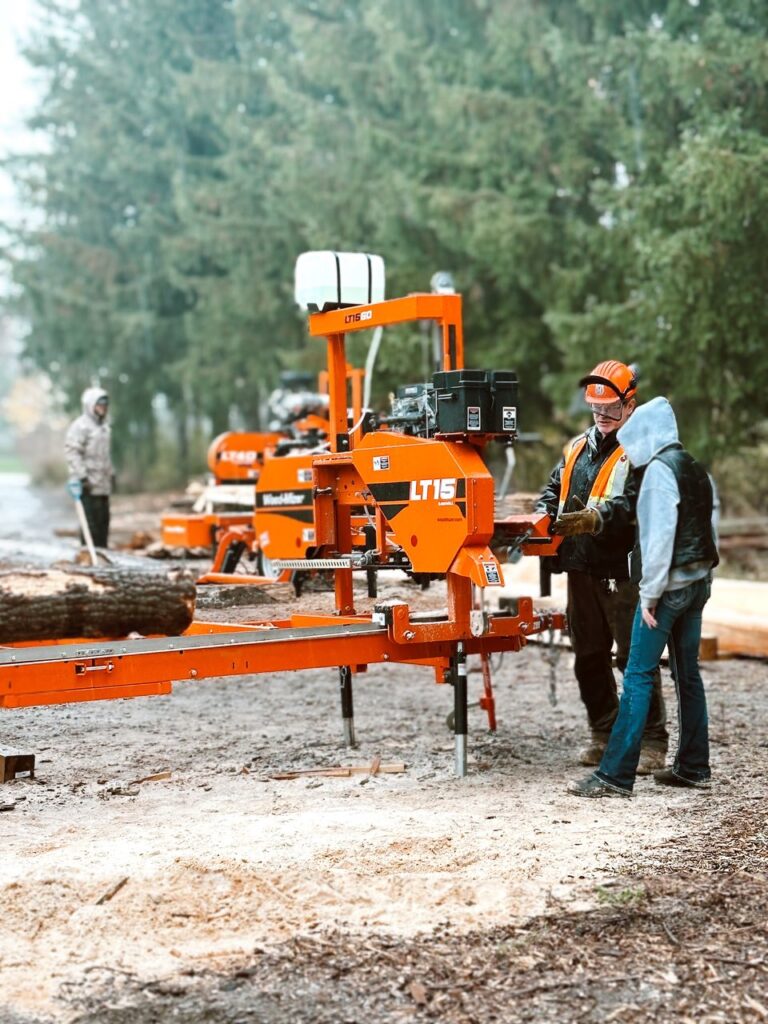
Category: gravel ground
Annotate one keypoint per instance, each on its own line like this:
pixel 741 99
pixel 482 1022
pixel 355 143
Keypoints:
pixel 215 893
pixel 154 870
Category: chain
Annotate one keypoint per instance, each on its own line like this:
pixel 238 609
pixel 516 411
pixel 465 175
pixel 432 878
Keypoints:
pixel 551 653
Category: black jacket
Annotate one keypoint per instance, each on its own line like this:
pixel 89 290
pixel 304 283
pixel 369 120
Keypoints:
pixel 606 555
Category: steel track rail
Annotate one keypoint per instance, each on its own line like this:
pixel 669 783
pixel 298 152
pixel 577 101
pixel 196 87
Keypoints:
pixel 167 645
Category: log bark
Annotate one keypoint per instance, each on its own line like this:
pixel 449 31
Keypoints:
pixel 102 601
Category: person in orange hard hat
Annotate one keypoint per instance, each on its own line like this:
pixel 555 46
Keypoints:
pixel 591 496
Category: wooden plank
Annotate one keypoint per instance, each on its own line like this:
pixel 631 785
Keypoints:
pixel 736 614
pixel 709 647
pixel 341 771
pixel 739 634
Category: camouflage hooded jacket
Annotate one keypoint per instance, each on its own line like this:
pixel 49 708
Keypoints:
pixel 87 446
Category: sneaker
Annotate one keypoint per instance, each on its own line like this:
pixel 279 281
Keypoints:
pixel 592 755
pixel 668 777
pixel 595 788
pixel 651 761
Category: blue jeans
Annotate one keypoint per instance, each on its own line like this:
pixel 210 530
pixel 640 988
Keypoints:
pixel 678 617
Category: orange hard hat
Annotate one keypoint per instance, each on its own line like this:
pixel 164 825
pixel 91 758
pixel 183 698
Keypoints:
pixel 608 381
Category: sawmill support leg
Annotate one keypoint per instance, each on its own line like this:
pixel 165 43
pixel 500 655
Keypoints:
pixel 460 711
pixel 347 709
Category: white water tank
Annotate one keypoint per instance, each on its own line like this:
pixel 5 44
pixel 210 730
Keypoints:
pixel 326 280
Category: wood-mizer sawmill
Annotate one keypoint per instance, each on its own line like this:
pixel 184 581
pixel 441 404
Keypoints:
pixel 421 500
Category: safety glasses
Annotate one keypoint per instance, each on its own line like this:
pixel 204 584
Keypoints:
pixel 607 412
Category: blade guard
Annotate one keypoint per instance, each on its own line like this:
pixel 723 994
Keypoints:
pixel 480 565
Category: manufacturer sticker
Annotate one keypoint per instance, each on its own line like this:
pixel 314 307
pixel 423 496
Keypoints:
pixel 380 462
pixel 473 417
pixel 238 458
pixel 442 489
pixel 509 419
pixel 308 536
pixel 304 476
pixel 491 571
pixel 278 498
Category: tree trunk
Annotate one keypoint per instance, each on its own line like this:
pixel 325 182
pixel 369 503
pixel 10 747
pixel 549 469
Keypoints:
pixel 100 601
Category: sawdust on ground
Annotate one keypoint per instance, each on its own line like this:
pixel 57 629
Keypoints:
pixel 106 879
pixel 214 894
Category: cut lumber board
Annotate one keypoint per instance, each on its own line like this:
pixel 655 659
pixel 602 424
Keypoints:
pixel 341 771
pixel 736 614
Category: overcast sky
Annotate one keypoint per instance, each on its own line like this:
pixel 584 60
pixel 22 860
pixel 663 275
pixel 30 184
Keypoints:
pixel 18 89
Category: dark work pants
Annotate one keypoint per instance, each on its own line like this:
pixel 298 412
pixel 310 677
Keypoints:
pixel 96 508
pixel 596 617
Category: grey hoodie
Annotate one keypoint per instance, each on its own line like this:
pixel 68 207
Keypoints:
pixel 649 430
pixel 87 446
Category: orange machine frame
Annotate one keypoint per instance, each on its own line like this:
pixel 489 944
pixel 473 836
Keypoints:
pixel 289 525
pixel 58 672
pixel 234 457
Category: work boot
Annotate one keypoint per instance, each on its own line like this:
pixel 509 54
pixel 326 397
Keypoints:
pixel 668 777
pixel 595 788
pixel 651 760
pixel 592 754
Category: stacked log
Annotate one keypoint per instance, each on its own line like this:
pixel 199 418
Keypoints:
pixel 70 601
pixel 521 503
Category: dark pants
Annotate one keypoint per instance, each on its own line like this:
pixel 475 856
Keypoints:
pixel 678 617
pixel 96 508
pixel 597 616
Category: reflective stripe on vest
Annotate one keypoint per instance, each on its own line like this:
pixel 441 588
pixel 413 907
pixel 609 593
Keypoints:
pixel 609 482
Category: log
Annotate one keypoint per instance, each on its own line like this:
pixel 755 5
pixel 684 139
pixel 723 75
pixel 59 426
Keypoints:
pixel 68 601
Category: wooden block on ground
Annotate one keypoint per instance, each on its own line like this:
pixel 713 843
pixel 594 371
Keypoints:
pixel 708 647
pixel 14 764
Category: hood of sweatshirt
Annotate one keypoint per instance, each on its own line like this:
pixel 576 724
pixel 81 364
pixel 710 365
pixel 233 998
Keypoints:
pixel 89 399
pixel 649 429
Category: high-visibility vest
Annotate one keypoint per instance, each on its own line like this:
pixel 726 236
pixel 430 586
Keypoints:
pixel 609 482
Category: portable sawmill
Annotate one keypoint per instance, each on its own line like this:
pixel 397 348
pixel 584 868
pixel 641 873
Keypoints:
pixel 379 500
pixel 298 413
pixel 281 522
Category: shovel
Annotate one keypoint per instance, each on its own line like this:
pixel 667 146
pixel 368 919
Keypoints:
pixel 75 489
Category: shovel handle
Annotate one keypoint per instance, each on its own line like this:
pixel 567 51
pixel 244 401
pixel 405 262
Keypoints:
pixel 86 530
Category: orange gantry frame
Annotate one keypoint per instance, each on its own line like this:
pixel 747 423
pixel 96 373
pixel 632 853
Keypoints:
pixel 430 505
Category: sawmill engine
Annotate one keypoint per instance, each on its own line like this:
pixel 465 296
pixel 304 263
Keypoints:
pixel 296 398
pixel 412 410
pixel 458 402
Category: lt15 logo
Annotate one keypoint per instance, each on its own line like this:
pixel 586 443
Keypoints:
pixel 440 489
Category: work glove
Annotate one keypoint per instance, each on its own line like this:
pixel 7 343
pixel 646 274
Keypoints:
pixel 75 489
pixel 571 524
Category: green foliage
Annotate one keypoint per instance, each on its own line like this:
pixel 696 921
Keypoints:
pixel 593 175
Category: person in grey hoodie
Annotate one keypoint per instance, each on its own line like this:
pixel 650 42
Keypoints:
pixel 673 561
pixel 87 447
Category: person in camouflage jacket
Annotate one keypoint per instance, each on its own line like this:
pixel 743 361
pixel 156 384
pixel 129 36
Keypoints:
pixel 87 447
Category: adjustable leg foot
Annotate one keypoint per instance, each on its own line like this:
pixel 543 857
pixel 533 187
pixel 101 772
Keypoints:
pixel 460 711
pixel 347 709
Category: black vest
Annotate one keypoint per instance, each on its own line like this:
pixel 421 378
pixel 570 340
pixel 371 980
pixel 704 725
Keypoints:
pixel 693 537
